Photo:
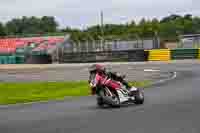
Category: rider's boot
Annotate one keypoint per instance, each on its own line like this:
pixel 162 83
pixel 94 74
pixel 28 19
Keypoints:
pixel 127 86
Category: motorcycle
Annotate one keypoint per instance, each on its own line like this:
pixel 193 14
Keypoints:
pixel 113 93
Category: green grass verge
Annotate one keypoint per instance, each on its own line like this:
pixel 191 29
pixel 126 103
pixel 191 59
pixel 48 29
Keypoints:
pixel 12 93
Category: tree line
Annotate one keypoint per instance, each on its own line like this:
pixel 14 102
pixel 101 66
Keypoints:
pixel 168 28
pixel 29 25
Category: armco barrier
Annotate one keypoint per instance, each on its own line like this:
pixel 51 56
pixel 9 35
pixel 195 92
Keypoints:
pixel 159 55
pixel 39 59
pixel 105 56
pixel 77 58
pixel 137 55
pixel 178 54
pixel 20 59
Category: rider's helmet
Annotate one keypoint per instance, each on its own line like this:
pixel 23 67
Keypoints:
pixel 97 68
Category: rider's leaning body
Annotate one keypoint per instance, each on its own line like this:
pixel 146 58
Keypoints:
pixel 111 75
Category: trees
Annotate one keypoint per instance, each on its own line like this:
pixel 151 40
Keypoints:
pixel 48 24
pixel 2 30
pixel 155 25
pixel 168 31
pixel 13 27
pixel 31 25
pixel 196 24
pixel 146 28
pixel 170 18
pixel 174 25
pixel 168 27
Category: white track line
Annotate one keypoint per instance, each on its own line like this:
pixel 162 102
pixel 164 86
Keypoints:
pixel 151 70
pixel 164 80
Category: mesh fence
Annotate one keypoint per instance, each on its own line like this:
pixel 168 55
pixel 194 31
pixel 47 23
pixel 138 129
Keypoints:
pixel 96 46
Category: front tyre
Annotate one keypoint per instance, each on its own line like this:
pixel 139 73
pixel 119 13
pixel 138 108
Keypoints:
pixel 139 97
pixel 109 97
pixel 100 102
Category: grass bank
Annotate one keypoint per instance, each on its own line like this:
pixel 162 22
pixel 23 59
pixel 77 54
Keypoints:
pixel 12 93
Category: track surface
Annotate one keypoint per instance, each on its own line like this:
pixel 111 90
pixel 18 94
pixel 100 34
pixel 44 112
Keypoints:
pixel 171 107
pixel 71 73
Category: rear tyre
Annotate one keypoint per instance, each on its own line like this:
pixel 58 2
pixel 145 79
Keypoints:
pixel 139 98
pixel 115 101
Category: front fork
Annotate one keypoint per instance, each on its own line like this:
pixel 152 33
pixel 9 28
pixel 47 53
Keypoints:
pixel 127 95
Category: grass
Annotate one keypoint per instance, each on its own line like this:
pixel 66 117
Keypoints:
pixel 12 93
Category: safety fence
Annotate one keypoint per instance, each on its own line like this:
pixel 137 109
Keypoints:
pixel 138 55
pixel 38 59
pixel 131 55
pixel 104 56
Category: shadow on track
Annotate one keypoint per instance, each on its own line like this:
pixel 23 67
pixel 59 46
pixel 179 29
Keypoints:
pixel 95 107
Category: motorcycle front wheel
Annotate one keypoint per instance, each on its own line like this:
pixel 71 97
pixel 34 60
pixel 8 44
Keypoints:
pixel 100 102
pixel 139 97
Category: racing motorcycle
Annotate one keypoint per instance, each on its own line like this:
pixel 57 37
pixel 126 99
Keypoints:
pixel 113 92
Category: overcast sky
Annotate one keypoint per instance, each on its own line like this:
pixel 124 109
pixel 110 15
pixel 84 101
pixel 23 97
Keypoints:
pixel 83 13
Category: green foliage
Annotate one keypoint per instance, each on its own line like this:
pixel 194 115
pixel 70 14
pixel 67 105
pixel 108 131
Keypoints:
pixel 167 28
pixel 31 25
pixel 2 30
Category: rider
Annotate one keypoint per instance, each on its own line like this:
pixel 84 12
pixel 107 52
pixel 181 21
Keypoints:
pixel 118 77
pixel 113 75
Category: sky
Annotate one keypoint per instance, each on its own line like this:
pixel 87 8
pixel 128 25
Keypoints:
pixel 84 13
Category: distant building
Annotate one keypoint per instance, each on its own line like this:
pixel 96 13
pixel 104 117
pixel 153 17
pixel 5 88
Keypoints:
pixel 169 45
pixel 190 40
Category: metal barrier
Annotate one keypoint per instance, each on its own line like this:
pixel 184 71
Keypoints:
pixel 104 56
pixel 159 55
pixel 178 54
pixel 39 59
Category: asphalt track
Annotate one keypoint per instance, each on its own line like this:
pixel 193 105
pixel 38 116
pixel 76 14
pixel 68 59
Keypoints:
pixel 73 73
pixel 170 107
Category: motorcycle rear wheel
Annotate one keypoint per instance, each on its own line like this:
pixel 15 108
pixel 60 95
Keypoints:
pixel 116 101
